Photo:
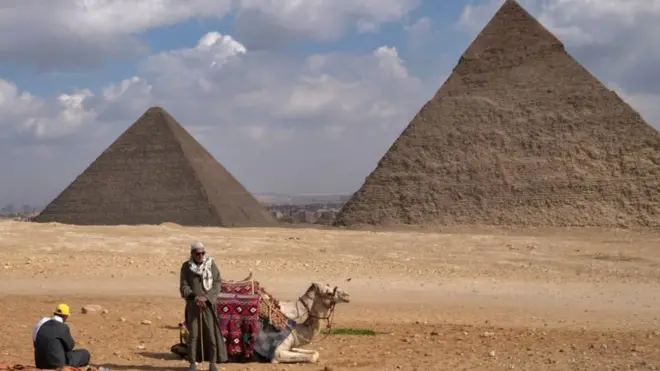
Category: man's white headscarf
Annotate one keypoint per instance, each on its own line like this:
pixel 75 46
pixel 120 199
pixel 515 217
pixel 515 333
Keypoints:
pixel 203 269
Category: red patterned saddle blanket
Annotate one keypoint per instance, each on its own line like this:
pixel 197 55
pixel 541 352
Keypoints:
pixel 269 307
pixel 238 317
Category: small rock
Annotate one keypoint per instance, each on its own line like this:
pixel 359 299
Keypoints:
pixel 91 308
pixel 140 347
pixel 491 353
pixel 433 333
pixel 104 311
pixel 122 319
pixel 146 322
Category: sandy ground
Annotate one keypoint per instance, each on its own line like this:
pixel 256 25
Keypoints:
pixel 463 299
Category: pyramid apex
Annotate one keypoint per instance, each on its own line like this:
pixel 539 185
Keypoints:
pixel 156 109
pixel 514 5
pixel 512 28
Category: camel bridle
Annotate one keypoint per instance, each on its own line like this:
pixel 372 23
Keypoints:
pixel 328 301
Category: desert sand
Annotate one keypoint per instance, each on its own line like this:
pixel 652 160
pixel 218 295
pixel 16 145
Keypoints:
pixel 457 299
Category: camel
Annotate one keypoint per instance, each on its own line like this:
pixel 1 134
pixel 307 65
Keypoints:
pixel 318 303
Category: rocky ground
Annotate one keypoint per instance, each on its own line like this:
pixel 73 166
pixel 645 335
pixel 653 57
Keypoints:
pixel 462 299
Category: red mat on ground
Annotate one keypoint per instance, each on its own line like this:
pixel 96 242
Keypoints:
pixel 19 367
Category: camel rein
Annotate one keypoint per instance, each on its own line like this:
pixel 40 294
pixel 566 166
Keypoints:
pixel 330 306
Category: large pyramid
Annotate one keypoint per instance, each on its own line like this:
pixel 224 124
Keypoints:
pixel 519 134
pixel 156 172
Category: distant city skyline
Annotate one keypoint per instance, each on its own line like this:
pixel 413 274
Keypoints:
pixel 266 198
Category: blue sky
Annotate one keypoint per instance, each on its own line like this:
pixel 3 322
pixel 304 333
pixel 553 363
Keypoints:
pixel 260 82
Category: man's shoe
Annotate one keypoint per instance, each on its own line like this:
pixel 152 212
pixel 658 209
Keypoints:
pixel 192 367
pixel 212 367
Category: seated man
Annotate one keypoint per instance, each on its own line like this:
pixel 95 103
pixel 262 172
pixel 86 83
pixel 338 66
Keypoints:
pixel 53 344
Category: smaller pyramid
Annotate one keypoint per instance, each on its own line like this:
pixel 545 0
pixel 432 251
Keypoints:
pixel 156 172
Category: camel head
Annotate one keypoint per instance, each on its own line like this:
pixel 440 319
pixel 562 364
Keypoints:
pixel 330 295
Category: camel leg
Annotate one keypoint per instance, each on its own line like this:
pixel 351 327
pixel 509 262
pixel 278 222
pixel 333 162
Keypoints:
pixel 287 356
pixel 303 351
pixel 285 353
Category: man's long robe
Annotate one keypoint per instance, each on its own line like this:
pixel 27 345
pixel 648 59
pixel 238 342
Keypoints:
pixel 191 286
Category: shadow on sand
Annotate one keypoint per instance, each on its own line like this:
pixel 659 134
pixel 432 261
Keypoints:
pixel 160 356
pixel 112 367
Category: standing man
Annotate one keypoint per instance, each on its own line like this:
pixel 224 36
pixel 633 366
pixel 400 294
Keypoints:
pixel 200 285
pixel 53 344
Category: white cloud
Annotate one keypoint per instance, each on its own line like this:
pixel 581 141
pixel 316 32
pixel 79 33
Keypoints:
pixel 71 115
pixel 576 22
pixel 23 112
pixel 420 29
pixel 84 33
pixel 312 114
pixel 130 16
pixel 327 20
pixel 15 103
pixel 64 33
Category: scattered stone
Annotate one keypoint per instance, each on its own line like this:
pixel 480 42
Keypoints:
pixel 491 353
pixel 140 347
pixel 146 322
pixel 91 308
pixel 105 311
pixel 122 319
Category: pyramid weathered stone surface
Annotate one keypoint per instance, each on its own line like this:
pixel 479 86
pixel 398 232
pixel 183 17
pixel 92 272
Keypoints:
pixel 156 172
pixel 519 134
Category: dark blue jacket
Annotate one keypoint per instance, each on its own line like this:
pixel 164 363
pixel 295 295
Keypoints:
pixel 53 342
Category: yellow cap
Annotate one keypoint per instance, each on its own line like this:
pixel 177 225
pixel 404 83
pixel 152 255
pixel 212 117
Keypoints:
pixel 62 309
